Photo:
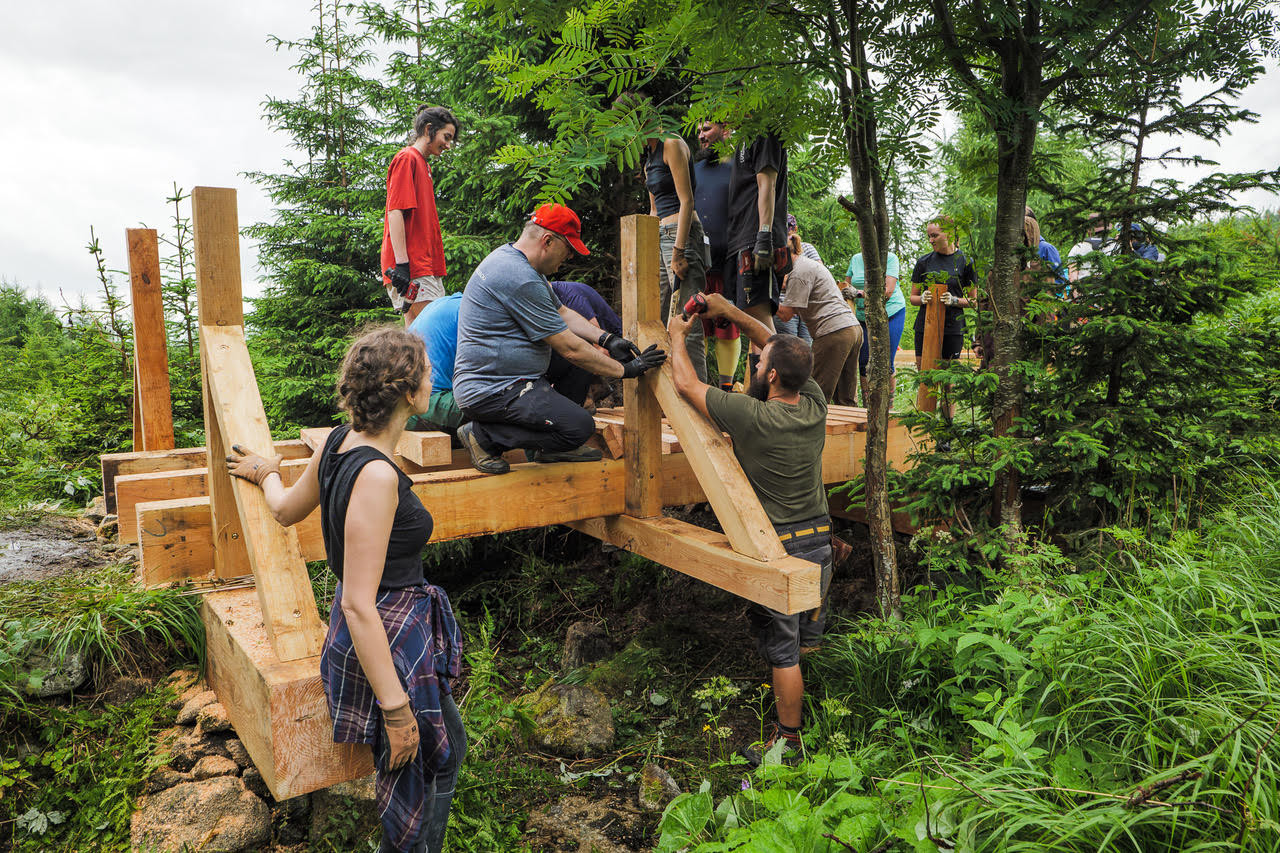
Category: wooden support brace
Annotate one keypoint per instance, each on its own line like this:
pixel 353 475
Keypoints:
pixel 278 707
pixel 642 424
pixel 153 409
pixel 423 449
pixel 288 604
pixel 234 414
pixel 723 481
pixel 786 584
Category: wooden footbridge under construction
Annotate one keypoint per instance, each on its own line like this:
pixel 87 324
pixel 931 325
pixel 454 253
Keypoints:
pixel 195 523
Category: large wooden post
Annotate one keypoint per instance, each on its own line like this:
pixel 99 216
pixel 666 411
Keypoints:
pixel 935 320
pixel 152 407
pixel 234 415
pixel 642 418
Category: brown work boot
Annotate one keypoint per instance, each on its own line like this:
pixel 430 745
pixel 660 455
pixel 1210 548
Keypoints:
pixel 585 453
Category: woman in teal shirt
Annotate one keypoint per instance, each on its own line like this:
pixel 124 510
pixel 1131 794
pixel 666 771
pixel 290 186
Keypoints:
pixel 895 306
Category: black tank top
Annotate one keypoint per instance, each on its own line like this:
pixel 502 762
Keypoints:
pixel 658 180
pixel 409 531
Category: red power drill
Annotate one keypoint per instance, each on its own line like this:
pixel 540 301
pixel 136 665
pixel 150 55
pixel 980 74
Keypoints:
pixel 697 304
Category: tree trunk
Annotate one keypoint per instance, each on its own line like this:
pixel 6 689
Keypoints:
pixel 857 102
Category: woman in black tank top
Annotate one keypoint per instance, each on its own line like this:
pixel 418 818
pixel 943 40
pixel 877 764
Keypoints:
pixel 392 648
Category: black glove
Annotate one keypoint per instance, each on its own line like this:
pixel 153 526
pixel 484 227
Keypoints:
pixel 647 360
pixel 764 250
pixel 619 347
pixel 401 280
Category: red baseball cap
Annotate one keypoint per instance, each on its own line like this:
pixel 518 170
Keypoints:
pixel 563 221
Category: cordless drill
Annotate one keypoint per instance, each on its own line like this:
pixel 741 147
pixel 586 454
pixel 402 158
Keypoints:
pixel 697 304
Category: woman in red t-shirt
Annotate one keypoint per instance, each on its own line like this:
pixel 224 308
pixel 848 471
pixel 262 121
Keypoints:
pixel 412 248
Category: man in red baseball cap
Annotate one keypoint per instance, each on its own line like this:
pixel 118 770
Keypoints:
pixel 513 331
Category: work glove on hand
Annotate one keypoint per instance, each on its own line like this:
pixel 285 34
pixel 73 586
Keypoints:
pixel 763 251
pixel 647 360
pixel 402 734
pixel 927 296
pixel 950 300
pixel 619 347
pixel 250 466
pixel 402 281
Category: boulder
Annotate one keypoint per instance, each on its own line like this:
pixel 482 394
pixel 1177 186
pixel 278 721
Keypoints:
pixel 627 670
pixel 58 675
pixel 237 752
pixel 346 814
pixel 587 825
pixel 211 815
pixel 108 528
pixel 214 765
pixel 125 689
pixel 572 720
pixel 191 708
pixel 193 746
pixel 584 643
pixel 657 788
pixel 165 777
pixel 253 780
pixel 96 510
pixel 212 718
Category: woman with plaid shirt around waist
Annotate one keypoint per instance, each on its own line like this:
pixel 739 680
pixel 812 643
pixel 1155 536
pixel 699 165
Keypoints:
pixel 393 646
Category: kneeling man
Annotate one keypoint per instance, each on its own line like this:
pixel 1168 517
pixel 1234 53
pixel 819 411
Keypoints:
pixel 509 323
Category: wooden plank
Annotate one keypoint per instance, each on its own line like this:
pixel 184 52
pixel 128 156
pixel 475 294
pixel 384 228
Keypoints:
pixel 152 404
pixel 722 479
pixel 284 589
pixel 277 707
pixel 935 317
pixel 785 584
pixel 642 417
pixel 183 458
pixel 467 503
pixel 133 489
pixel 231 559
pixel 427 449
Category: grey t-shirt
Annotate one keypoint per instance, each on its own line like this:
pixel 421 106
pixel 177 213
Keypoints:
pixel 812 292
pixel 508 311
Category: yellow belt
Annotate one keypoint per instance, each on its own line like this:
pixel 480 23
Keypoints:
pixel 808 531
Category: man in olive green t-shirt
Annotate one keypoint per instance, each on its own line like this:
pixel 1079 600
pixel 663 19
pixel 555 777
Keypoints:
pixel 779 428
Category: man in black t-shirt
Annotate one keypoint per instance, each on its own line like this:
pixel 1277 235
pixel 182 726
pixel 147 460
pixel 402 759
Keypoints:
pixel 757 232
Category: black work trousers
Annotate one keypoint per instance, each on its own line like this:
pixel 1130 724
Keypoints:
pixel 532 414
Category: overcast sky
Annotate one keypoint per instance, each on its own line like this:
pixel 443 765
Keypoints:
pixel 105 105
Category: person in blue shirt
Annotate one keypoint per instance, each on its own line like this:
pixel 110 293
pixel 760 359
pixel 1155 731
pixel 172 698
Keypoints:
pixel 853 288
pixel 437 325
pixel 1051 259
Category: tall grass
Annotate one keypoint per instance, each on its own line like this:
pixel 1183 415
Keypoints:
pixel 1132 706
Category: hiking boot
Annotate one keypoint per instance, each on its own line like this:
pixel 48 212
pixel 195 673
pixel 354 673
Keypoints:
pixel 481 459
pixel 581 454
pixel 791 753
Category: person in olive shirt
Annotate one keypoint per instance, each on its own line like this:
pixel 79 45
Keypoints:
pixel 782 402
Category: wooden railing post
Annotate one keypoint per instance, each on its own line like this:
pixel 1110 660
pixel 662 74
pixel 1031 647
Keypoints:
pixel 935 321
pixel 642 418
pixel 152 406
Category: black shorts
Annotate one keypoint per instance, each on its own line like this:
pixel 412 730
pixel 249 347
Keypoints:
pixel 952 344
pixel 746 287
pixel 779 636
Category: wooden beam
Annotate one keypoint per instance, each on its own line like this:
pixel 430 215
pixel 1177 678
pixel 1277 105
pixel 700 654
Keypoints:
pixel 278 707
pixel 183 458
pixel 152 404
pixel 785 584
pixel 422 450
pixel 642 421
pixel 935 319
pixel 134 489
pixel 717 469
pixel 284 589
pixel 218 297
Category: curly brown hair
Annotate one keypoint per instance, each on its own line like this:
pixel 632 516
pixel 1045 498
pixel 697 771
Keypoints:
pixel 382 365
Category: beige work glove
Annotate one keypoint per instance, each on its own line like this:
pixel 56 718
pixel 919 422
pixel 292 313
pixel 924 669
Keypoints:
pixel 250 466
pixel 402 734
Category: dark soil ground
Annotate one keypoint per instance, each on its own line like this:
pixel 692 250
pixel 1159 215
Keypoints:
pixel 50 547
